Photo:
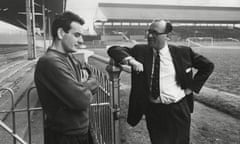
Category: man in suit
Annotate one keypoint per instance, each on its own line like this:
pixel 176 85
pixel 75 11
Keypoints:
pixel 163 84
pixel 65 86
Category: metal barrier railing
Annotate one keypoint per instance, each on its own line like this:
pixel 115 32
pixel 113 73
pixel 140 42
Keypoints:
pixel 113 90
pixel 12 111
pixel 29 110
pixel 101 111
pixel 104 110
pixel 107 103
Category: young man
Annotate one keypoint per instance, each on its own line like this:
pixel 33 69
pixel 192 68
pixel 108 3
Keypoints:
pixel 163 84
pixel 64 91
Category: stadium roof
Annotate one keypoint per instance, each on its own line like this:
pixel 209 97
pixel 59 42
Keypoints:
pixel 176 13
pixel 14 11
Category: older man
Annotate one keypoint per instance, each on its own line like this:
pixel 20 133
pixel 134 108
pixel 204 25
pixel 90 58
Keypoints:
pixel 163 84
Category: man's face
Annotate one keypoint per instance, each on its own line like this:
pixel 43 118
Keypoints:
pixel 156 37
pixel 73 38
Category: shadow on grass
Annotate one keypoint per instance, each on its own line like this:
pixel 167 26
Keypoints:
pixel 131 135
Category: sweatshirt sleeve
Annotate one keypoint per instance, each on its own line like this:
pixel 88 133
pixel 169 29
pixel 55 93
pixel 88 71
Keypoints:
pixel 58 78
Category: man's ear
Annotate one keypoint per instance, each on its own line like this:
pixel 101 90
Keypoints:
pixel 60 33
pixel 168 37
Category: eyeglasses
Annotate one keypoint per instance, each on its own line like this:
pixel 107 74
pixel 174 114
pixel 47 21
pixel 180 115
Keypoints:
pixel 154 33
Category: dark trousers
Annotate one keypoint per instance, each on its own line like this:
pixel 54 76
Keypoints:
pixel 169 124
pixel 53 137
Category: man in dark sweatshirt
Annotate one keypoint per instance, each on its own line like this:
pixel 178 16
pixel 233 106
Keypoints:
pixel 65 85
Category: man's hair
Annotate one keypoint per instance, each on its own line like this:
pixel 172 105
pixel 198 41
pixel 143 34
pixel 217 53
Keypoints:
pixel 64 21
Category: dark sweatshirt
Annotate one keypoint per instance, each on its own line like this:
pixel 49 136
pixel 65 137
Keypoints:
pixel 64 98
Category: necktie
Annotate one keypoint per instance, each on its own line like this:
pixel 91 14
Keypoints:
pixel 155 79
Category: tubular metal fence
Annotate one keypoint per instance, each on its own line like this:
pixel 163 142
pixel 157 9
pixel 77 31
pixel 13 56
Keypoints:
pixel 104 110
pixel 101 111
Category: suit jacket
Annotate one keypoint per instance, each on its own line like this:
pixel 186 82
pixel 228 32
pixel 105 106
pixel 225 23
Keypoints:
pixel 184 59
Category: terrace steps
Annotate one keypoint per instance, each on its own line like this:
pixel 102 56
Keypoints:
pixel 17 75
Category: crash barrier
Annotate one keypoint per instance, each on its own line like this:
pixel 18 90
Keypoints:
pixel 12 111
pixel 104 110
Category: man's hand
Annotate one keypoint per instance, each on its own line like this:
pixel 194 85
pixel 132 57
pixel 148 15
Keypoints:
pixel 92 83
pixel 188 91
pixel 137 66
pixel 84 75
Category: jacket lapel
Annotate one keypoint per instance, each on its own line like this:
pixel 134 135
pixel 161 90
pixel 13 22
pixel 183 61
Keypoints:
pixel 177 62
pixel 148 64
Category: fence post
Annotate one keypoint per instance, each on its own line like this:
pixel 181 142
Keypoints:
pixel 114 73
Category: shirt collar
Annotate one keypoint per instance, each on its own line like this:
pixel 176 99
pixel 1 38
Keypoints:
pixel 57 52
pixel 162 51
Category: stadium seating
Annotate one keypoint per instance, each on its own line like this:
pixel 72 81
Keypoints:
pixel 179 32
pixel 200 31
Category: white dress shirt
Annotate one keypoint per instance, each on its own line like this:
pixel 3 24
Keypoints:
pixel 170 92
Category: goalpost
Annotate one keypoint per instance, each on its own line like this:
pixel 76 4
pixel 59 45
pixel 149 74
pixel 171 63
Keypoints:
pixel 199 41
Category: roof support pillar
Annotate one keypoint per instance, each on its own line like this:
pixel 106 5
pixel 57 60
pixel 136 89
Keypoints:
pixel 103 28
pixel 44 24
pixel 31 29
pixel 49 29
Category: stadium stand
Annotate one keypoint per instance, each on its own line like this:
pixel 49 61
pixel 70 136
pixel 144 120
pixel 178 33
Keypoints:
pixel 200 31
pixel 180 32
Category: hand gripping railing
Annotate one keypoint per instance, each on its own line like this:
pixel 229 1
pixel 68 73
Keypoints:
pixel 4 126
